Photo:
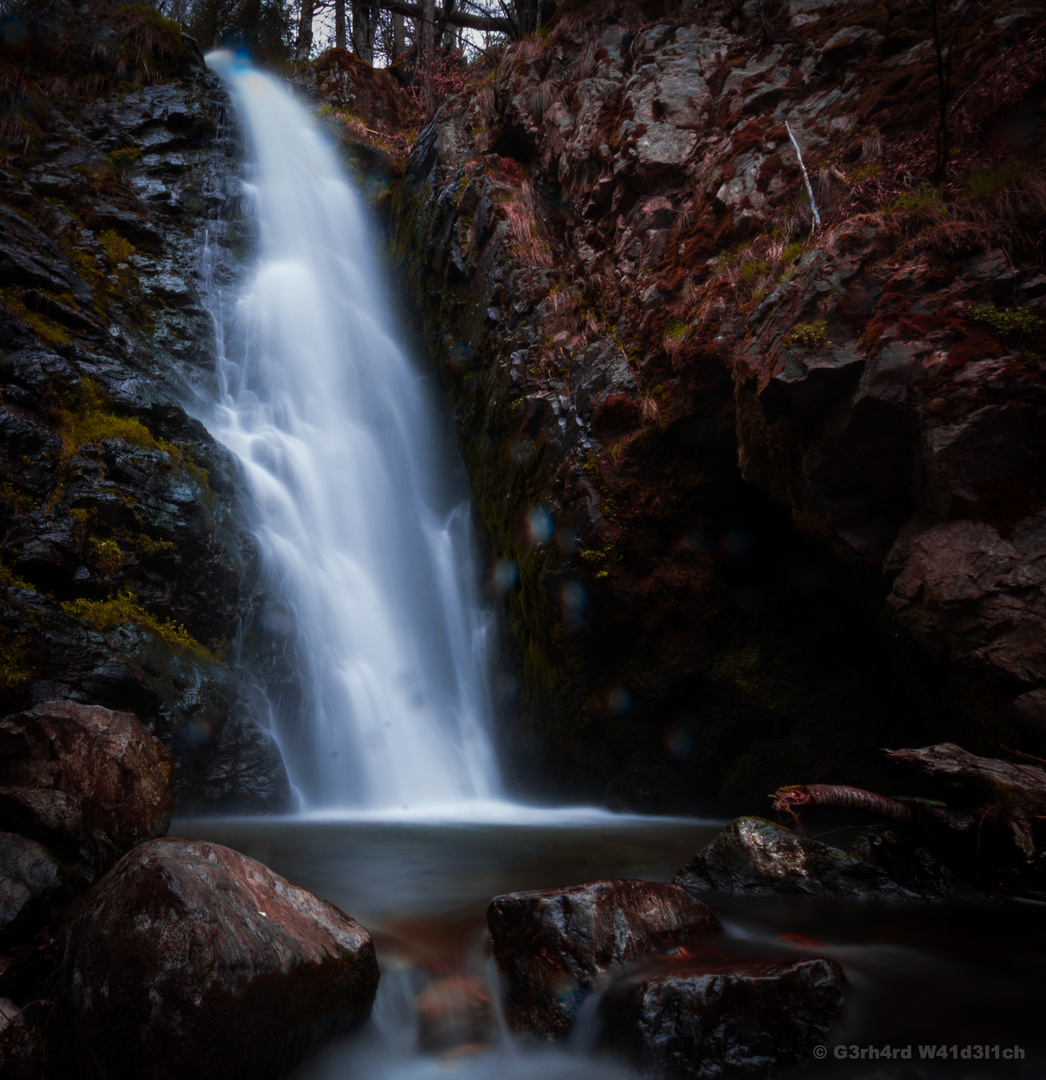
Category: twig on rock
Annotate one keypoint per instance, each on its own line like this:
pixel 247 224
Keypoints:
pixel 806 178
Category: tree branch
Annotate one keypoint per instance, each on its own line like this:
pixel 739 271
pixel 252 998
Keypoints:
pixel 490 23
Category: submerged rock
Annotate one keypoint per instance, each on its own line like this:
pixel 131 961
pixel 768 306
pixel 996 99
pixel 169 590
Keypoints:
pixel 553 946
pixel 454 1012
pixel 755 857
pixel 88 782
pixel 189 959
pixel 711 1014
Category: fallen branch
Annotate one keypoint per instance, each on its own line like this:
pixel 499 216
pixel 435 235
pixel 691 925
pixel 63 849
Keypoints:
pixel 798 797
pixel 809 186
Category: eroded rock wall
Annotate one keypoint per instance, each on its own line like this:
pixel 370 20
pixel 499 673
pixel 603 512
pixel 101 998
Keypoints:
pixel 124 573
pixel 760 497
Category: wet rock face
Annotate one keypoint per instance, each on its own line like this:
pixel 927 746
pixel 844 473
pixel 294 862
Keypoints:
pixel 192 958
pixel 124 574
pixel 87 782
pixel 712 1015
pixel 754 857
pixel 610 242
pixel 552 947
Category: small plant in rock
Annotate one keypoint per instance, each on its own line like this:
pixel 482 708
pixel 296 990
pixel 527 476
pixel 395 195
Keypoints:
pixel 808 335
pixel 650 411
pixel 921 200
pixel 124 158
pixel 108 557
pixel 1006 322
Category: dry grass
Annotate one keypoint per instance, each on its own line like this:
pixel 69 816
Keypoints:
pixel 529 242
pixel 541 99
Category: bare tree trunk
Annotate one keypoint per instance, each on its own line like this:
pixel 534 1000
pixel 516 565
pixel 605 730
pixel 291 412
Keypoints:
pixel 340 39
pixel 427 30
pixel 364 27
pixel 303 47
pixel 399 36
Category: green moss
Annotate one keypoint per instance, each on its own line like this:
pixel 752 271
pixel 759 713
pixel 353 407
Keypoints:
pixel 116 247
pixel 753 269
pixel 15 671
pixel 867 170
pixel 153 549
pixel 10 580
pixel 87 421
pixel 792 251
pixel 106 615
pixel 47 330
pixel 808 335
pixel 121 159
pixel 919 200
pixel 19 503
pixel 984 183
pixel 1006 321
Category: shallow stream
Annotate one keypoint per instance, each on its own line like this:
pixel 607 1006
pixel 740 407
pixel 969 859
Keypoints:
pixel 928 979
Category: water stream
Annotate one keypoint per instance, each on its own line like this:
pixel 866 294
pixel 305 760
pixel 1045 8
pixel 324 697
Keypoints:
pixel 402 822
pixel 363 534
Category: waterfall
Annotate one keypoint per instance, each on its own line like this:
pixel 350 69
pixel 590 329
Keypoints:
pixel 362 532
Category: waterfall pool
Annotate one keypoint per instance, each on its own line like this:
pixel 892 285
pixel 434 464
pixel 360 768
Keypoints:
pixel 930 978
pixel 366 543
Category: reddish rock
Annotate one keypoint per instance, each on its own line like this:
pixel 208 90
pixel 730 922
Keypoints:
pixel 189 959
pixel 715 1014
pixel 551 947
pixel 964 592
pixel 85 781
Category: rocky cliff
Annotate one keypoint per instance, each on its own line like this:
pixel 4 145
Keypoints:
pixel 124 575
pixel 762 493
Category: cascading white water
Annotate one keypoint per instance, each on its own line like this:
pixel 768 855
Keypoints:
pixel 332 426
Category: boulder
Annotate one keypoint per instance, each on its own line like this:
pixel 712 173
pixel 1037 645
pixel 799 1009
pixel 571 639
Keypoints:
pixel 710 1013
pixel 551 947
pixel 85 781
pixel 758 858
pixel 30 878
pixel 191 959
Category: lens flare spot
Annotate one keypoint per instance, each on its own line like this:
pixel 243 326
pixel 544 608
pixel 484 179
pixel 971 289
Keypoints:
pixel 538 526
pixel 574 600
pixel 737 544
pixel 503 577
pixel 506 686
pixel 620 700
pixel 199 731
pixel 679 743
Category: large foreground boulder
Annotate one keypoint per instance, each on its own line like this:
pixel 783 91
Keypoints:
pixel 189 959
pixel 552 946
pixel 86 782
pixel 709 1014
